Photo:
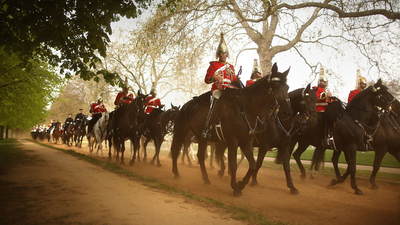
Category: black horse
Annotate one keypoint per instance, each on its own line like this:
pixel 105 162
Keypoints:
pixel 386 138
pixel 80 132
pixel 125 126
pixel 157 124
pixel 282 134
pixel 191 138
pixel 359 120
pixel 238 116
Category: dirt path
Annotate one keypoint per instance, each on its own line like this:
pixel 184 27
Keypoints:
pixel 58 188
pixel 316 203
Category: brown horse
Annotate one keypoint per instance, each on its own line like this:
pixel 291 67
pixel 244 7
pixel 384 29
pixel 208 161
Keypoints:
pixel 238 121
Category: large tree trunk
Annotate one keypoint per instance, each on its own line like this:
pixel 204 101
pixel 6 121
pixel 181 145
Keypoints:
pixel 2 132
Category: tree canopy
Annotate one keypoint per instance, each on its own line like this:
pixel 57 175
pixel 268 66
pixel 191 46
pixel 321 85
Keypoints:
pixel 71 34
pixel 25 92
pixel 366 29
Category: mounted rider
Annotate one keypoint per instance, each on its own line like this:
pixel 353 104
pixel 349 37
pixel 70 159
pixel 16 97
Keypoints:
pixel 255 74
pixel 360 86
pixel 124 97
pixel 97 110
pixel 152 101
pixel 220 74
pixel 324 97
pixel 69 121
pixel 79 118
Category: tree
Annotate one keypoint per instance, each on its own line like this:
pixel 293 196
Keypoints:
pixel 274 27
pixel 79 94
pixel 153 57
pixel 25 91
pixel 70 34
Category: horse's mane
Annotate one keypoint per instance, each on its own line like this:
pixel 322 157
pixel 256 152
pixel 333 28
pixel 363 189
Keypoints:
pixel 295 93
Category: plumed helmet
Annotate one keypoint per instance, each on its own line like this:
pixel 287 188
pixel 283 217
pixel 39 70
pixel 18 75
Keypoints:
pixel 126 85
pixel 363 80
pixel 322 76
pixel 256 69
pixel 222 47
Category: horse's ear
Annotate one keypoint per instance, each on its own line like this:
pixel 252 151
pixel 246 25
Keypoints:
pixel 274 68
pixel 379 82
pixel 172 106
pixel 138 92
pixel 286 72
pixel 308 87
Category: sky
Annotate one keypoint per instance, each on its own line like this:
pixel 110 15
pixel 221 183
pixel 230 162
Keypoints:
pixel 342 74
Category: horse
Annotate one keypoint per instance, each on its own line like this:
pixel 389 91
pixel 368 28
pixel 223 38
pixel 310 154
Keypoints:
pixel 158 123
pixel 56 133
pixel 68 136
pixel 238 121
pixel 280 134
pixel 125 126
pixel 80 132
pixel 109 133
pixel 99 134
pixel 359 120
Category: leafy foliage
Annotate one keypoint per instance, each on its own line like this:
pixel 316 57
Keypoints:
pixel 70 34
pixel 25 91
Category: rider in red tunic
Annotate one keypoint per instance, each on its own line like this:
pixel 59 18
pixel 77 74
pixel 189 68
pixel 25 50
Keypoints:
pixel 361 85
pixel 220 74
pixel 324 96
pixel 152 102
pixel 255 74
pixel 97 110
pixel 124 97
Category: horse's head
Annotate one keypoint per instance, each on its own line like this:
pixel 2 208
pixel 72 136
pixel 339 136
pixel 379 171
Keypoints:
pixel 381 96
pixel 303 101
pixel 279 90
pixel 140 101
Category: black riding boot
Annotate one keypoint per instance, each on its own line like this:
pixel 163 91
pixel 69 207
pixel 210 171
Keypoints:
pixel 212 114
pixel 327 140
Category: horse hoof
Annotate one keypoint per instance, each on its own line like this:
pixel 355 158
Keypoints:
pixel 334 182
pixel 359 192
pixel 312 177
pixel 152 162
pixel 159 165
pixel 211 167
pixel 132 162
pixel 177 177
pixel 220 173
pixel 374 187
pixel 122 163
pixel 303 177
pixel 294 192
pixel 241 185
pixel 207 182
pixel 237 193
pixel 254 183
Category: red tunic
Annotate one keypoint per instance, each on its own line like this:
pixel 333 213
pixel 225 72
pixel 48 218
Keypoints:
pixel 218 67
pixel 322 102
pixel 121 95
pixel 96 108
pixel 352 94
pixel 152 103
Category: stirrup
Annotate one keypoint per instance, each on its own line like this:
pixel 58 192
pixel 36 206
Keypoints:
pixel 206 133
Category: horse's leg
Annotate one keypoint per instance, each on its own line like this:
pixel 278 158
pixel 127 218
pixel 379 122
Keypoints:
pixel 247 150
pixel 301 148
pixel 146 142
pixel 219 154
pixel 286 152
pixel 122 152
pixel 157 144
pixel 379 154
pixel 232 166
pixel 201 156
pixel 351 161
pixel 212 152
pixel 262 150
pixel 335 162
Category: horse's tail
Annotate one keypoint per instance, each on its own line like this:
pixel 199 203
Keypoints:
pixel 279 157
pixel 318 158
